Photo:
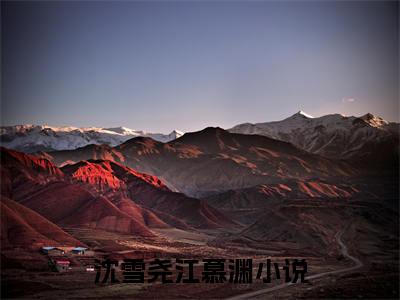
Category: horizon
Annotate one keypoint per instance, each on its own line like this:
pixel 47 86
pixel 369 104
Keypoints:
pixel 181 131
pixel 158 66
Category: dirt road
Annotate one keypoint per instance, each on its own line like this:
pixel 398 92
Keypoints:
pixel 358 264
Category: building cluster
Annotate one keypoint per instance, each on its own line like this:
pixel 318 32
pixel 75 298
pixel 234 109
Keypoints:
pixel 60 257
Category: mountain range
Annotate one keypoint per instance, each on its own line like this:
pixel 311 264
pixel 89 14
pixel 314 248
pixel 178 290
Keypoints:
pixel 334 136
pixel 32 138
pixel 243 189
pixel 212 160
pixel 298 149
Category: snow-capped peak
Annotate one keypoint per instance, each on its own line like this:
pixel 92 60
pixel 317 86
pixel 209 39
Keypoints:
pixel 304 114
pixel 30 138
pixel 122 130
pixel 374 121
pixel 176 133
pixel 332 135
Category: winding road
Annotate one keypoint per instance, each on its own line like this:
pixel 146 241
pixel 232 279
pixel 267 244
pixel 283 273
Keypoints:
pixel 358 264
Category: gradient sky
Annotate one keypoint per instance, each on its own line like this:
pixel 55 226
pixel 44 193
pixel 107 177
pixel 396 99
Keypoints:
pixel 159 66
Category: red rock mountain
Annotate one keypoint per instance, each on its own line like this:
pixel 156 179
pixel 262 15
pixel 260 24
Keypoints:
pixel 120 183
pixel 71 205
pixel 101 194
pixel 23 227
pixel 22 174
pixel 108 175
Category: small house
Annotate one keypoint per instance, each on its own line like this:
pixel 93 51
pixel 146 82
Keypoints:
pixel 52 250
pixel 90 269
pixel 62 265
pixel 79 250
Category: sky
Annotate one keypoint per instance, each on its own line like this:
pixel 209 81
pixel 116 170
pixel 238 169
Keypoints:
pixel 186 65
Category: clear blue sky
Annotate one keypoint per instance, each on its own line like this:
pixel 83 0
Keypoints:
pixel 159 66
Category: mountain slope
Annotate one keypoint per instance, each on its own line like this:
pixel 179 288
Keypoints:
pixel 71 205
pixel 22 174
pixel 263 195
pixel 22 227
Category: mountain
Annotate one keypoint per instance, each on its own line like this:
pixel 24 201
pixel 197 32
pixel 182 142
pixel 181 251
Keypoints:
pixel 32 138
pixel 119 183
pixel 213 160
pixel 107 175
pixel 333 136
pixel 73 206
pixel 101 194
pixel 41 186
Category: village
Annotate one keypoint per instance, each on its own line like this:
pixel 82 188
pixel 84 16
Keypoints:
pixel 62 259
pixel 67 258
